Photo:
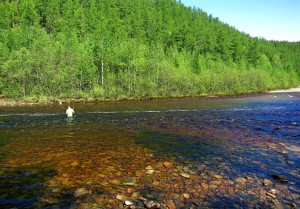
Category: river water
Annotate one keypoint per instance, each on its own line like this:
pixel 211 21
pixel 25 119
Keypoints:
pixel 226 152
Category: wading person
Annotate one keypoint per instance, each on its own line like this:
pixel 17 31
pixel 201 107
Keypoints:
pixel 70 112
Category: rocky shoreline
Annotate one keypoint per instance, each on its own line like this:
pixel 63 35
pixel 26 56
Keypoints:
pixel 291 90
pixel 10 102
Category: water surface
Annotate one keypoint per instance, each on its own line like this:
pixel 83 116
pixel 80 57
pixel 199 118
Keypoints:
pixel 230 147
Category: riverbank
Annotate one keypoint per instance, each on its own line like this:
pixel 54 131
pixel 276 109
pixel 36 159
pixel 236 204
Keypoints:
pixel 291 90
pixel 9 102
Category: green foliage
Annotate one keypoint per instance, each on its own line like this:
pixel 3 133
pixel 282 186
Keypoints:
pixel 132 49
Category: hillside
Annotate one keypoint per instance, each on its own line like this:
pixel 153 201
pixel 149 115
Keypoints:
pixel 112 49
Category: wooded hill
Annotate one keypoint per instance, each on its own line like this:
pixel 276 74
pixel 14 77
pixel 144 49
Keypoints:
pixel 110 49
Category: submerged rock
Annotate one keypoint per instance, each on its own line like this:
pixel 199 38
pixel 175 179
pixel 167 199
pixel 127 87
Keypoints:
pixel 150 204
pixel 187 176
pixel 128 203
pixel 186 195
pixel 170 204
pixel 240 180
pixel 131 181
pixel 267 182
pixel 295 174
pixel 280 179
pixel 121 197
pixel 293 148
pixel 81 192
pixel 168 164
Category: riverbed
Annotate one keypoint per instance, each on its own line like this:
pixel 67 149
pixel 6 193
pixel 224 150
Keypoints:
pixel 222 152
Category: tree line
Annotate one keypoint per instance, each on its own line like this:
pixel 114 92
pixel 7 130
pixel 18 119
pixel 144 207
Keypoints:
pixel 114 49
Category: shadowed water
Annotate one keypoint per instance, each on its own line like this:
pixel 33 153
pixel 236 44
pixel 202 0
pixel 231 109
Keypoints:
pixel 45 157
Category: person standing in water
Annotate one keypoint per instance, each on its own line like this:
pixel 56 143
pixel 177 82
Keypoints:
pixel 70 112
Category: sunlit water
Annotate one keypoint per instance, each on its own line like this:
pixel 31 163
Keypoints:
pixel 45 155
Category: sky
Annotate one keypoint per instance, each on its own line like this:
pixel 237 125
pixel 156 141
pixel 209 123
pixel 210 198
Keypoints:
pixel 269 19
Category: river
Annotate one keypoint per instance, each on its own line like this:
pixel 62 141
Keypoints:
pixel 222 152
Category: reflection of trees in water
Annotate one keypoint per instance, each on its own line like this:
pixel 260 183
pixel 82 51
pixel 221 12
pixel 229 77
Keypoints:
pixel 22 187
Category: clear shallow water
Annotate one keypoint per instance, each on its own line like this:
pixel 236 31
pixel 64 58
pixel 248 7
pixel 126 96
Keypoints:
pixel 254 136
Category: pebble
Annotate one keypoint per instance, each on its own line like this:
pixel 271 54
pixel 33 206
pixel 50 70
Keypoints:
pixel 135 195
pixel 201 167
pixel 128 202
pixel 185 175
pixel 170 204
pixel 271 195
pixel 155 183
pixel 295 174
pixel 74 163
pixel 150 172
pixel 176 196
pixel 115 182
pixel 56 190
pixel 280 179
pixel 192 172
pixel 216 182
pixel 186 169
pixel 131 181
pixel 293 205
pixel 149 168
pixel 150 204
pixel 293 148
pixel 146 180
pixel 294 189
pixel 81 192
pixel 240 180
pixel 121 197
pixel 49 200
pixel 168 164
pixel 213 186
pixel 273 191
pixel 186 195
pixel 218 176
pixel 267 182
pixel 204 185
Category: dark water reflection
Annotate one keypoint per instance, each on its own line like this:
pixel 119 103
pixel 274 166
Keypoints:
pixel 234 136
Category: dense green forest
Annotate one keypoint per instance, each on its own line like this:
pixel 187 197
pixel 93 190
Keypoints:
pixel 114 49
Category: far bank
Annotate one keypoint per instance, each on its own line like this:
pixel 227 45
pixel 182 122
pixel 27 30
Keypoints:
pixel 61 101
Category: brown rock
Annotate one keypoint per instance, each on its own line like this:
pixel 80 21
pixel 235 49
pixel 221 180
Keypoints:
pixel 170 204
pixel 204 185
pixel 218 176
pixel 138 173
pixel 201 167
pixel 267 182
pixel 240 180
pixel 213 186
pixel 149 168
pixel 187 176
pixel 121 197
pixel 168 164
pixel 115 182
pixel 186 195
pixel 129 190
pixel 74 163
pixel 135 195
pixel 150 171
pixel 150 204
pixel 216 182
pixel 155 183
pixel 131 181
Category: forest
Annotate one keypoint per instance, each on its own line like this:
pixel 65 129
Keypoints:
pixel 133 49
